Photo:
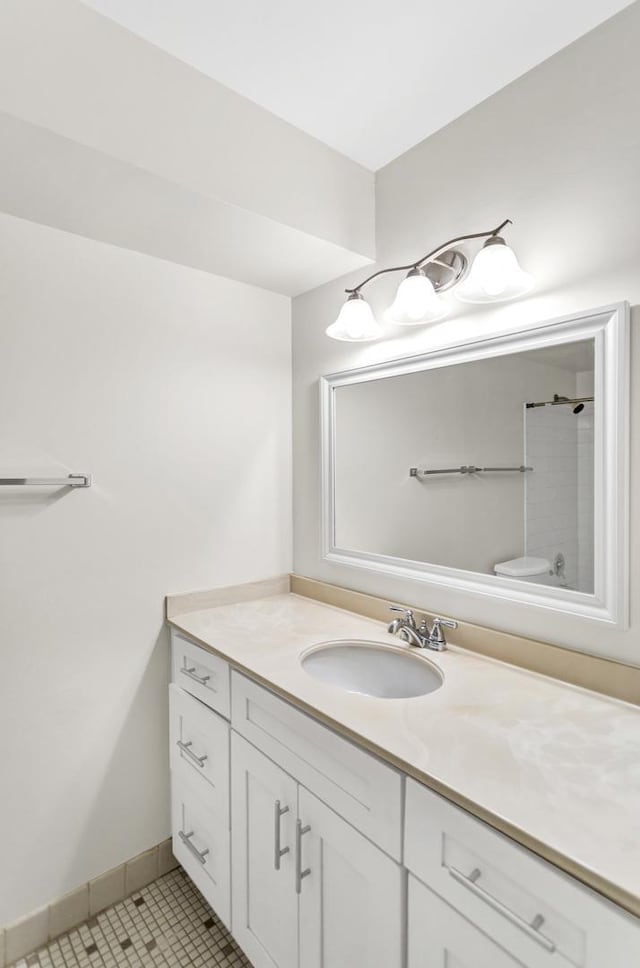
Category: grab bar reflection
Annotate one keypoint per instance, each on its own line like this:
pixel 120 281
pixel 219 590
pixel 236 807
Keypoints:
pixel 467 469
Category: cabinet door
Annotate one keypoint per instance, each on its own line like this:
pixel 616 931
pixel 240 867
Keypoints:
pixel 350 894
pixel 264 900
pixel 440 937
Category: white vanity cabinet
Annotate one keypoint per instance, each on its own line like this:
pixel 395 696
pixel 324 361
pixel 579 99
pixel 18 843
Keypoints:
pixel 200 673
pixel 319 855
pixel 201 844
pixel 440 938
pixel 351 906
pixel 359 787
pixel 293 834
pixel 265 904
pixel 538 916
pixel 199 759
pixel 309 889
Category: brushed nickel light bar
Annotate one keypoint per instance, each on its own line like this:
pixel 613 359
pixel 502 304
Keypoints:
pixel 495 276
pixel 430 256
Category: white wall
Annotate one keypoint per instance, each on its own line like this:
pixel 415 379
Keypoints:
pixel 106 135
pixel 54 181
pixel 67 69
pixel 558 151
pixel 172 387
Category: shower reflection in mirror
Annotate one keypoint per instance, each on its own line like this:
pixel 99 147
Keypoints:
pixel 559 495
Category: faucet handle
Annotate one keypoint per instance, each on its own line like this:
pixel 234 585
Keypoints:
pixel 448 623
pixel 407 612
pixel 436 637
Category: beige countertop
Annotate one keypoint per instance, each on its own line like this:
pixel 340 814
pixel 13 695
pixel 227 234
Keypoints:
pixel 554 766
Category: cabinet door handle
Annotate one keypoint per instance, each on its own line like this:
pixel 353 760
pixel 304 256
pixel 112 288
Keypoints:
pixel 532 930
pixel 300 874
pixel 186 749
pixel 200 855
pixel 192 674
pixel 278 851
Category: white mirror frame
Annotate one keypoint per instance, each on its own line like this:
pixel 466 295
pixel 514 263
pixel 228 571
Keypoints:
pixel 609 328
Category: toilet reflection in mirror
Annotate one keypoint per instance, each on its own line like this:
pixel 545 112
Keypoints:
pixel 485 466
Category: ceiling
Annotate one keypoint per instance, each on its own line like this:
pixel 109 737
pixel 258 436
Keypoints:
pixel 368 78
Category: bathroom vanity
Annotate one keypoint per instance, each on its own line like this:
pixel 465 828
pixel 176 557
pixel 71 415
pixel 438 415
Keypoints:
pixel 328 828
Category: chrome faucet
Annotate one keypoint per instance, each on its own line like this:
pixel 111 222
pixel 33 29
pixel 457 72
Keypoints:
pixel 421 636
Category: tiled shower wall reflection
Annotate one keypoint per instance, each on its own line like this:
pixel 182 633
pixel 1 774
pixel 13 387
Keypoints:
pixel 585 498
pixel 559 490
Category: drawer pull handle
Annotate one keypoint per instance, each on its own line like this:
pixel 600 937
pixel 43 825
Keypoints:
pixel 186 749
pixel 200 855
pixel 278 851
pixel 300 874
pixel 192 674
pixel 532 930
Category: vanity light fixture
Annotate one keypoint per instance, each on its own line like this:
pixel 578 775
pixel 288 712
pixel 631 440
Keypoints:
pixel 355 321
pixel 416 302
pixel 495 276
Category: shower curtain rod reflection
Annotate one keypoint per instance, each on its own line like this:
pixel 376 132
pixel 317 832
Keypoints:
pixel 559 402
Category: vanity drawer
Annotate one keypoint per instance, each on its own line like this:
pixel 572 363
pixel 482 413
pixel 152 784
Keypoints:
pixel 355 784
pixel 201 673
pixel 202 843
pixel 200 746
pixel 534 911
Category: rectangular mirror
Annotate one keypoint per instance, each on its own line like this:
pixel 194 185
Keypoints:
pixel 497 466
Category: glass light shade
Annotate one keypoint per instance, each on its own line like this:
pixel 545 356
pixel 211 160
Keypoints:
pixel 416 302
pixel 495 275
pixel 356 322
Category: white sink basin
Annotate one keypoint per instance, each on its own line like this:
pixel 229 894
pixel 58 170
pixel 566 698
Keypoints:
pixel 372 669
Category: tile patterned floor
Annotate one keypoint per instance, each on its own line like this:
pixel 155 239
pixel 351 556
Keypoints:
pixel 165 925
